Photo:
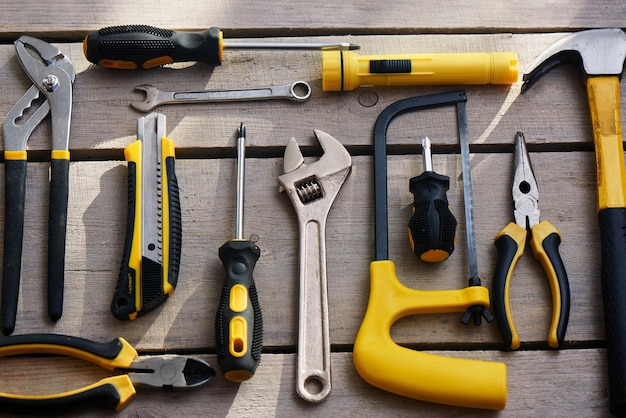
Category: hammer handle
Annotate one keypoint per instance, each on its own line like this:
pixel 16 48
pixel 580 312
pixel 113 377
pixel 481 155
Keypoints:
pixel 604 95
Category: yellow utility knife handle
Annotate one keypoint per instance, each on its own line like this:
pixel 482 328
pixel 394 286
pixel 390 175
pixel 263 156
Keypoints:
pixel 414 374
pixel 113 392
pixel 142 286
pixel 510 243
pixel 346 70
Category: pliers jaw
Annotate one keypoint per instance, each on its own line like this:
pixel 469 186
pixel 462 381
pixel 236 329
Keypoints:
pixel 525 192
pixel 53 74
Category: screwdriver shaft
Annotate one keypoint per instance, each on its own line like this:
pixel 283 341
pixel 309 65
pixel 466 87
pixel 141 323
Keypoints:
pixel 294 46
pixel 427 156
pixel 241 173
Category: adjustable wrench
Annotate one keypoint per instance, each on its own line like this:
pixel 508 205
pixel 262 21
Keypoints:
pixel 298 91
pixel 312 190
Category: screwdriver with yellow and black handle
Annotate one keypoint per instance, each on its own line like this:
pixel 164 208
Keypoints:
pixel 131 47
pixel 239 322
pixel 432 227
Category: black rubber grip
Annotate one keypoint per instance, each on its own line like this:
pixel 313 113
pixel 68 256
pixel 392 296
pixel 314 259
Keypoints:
pixel 14 195
pixel 390 66
pixel 146 46
pixel 124 296
pixel 432 225
pixel 57 228
pixel 506 248
pixel 239 258
pixel 551 247
pixel 108 350
pixel 612 223
pixel 105 396
pixel 175 222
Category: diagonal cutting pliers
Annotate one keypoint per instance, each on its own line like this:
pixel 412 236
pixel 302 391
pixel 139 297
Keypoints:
pixel 544 241
pixel 160 371
pixel 52 75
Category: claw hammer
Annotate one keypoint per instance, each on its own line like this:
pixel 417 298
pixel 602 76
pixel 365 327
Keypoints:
pixel 601 53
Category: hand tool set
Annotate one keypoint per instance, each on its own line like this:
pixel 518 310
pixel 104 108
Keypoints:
pixel 152 249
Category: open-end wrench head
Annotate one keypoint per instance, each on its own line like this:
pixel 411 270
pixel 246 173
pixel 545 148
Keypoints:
pixel 596 51
pixel 150 100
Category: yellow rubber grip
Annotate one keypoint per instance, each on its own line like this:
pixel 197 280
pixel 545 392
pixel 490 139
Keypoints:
pixel 603 94
pixel 510 242
pixel 346 70
pixel 414 374
pixel 15 155
pixel 60 154
pixel 167 150
pixel 544 242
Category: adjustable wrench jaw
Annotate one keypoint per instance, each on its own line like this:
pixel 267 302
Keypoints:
pixel 313 188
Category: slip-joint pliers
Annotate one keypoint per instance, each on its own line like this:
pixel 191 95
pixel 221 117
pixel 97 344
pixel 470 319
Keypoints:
pixel 161 371
pixel 544 241
pixel 52 75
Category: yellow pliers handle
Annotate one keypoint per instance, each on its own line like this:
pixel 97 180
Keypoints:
pixel 544 242
pixel 115 391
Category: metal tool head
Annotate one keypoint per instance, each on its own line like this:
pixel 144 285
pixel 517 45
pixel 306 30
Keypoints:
pixel 53 74
pixel 315 186
pixel 150 101
pixel 597 51
pixel 525 193
pixel 170 371
pixel 36 56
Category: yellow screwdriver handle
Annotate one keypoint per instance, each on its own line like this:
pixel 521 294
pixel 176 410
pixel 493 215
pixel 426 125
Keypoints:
pixel 346 70
pixel 414 374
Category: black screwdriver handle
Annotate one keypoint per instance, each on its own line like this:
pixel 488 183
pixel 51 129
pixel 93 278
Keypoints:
pixel 134 47
pixel 239 322
pixel 432 227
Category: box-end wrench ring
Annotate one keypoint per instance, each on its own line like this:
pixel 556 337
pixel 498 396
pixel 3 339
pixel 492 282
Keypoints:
pixel 298 91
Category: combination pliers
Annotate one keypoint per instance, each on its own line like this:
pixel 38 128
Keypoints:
pixel 52 75
pixel 160 371
pixel 544 240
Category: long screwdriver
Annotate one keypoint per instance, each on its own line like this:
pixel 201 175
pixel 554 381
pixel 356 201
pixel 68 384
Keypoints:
pixel 131 47
pixel 239 322
pixel 432 227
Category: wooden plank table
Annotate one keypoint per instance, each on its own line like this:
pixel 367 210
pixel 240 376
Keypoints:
pixel 553 115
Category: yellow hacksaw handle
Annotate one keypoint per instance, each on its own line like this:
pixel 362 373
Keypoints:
pixel 346 70
pixel 414 374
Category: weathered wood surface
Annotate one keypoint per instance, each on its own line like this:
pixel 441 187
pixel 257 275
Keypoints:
pixel 553 116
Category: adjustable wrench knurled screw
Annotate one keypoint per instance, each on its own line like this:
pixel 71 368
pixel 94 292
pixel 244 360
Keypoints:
pixel 312 190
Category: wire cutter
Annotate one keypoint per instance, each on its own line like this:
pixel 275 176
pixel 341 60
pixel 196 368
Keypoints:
pixel 544 241
pixel 164 371
pixel 52 75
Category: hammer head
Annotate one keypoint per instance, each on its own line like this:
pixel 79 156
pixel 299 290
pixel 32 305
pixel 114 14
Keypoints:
pixel 599 52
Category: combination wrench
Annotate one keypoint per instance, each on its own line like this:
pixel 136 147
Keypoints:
pixel 312 190
pixel 298 91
